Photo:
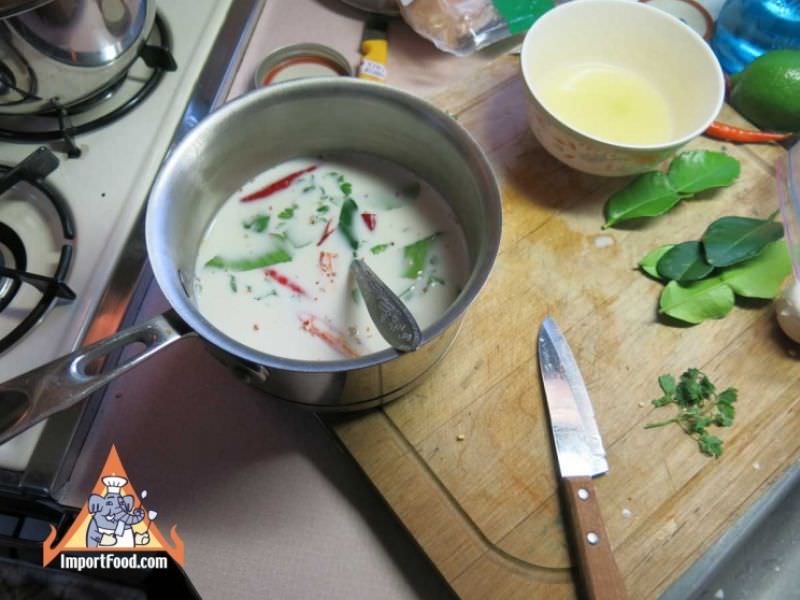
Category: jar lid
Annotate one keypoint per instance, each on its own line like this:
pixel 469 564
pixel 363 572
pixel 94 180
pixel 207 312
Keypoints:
pixel 300 61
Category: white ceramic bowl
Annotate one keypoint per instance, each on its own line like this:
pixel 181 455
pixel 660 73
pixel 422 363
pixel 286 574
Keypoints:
pixel 634 36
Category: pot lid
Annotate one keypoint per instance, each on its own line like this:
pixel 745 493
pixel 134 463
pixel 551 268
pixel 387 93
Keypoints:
pixel 9 8
pixel 83 33
pixel 383 7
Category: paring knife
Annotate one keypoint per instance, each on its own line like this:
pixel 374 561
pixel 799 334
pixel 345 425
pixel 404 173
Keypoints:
pixel 581 456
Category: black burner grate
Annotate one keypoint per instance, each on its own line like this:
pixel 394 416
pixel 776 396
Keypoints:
pixel 12 277
pixel 12 244
pixel 106 106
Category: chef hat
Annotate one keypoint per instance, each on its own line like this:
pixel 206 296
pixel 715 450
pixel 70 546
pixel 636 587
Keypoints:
pixel 114 483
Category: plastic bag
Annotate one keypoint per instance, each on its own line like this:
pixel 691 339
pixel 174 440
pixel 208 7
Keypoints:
pixel 787 174
pixel 463 26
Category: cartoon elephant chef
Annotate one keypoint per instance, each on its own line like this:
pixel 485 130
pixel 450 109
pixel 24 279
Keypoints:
pixel 114 517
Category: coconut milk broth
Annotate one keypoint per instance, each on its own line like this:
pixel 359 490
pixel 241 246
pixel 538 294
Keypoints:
pixel 308 307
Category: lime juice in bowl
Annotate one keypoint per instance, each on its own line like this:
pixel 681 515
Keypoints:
pixel 616 87
pixel 609 102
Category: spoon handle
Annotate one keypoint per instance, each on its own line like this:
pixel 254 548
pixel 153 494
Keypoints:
pixel 391 316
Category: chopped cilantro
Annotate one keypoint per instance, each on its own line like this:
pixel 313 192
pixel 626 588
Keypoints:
pixel 710 444
pixel 258 223
pixel 379 248
pixel 699 407
pixel 288 212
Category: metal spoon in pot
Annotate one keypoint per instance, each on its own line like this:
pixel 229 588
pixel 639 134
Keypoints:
pixel 392 318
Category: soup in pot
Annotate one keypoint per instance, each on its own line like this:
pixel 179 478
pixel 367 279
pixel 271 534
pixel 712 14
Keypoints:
pixel 273 268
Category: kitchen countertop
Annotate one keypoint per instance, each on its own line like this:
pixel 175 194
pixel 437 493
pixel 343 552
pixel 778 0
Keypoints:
pixel 266 501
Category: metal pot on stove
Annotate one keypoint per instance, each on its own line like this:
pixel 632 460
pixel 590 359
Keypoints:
pixel 241 139
pixel 56 53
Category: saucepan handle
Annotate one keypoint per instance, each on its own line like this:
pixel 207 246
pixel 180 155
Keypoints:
pixel 57 385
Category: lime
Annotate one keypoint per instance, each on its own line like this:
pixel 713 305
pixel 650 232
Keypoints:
pixel 767 92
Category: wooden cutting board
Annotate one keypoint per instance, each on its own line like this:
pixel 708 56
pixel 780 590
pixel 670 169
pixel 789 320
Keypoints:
pixel 485 507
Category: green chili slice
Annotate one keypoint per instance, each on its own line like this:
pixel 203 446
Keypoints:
pixel 347 222
pixel 414 256
pixel 267 259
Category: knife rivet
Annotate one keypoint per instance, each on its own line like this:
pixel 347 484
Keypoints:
pixel 583 493
pixel 592 538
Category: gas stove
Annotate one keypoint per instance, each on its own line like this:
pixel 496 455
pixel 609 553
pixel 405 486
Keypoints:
pixel 111 102
pixel 71 243
pixel 37 233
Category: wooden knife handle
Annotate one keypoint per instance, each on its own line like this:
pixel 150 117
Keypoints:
pixel 598 570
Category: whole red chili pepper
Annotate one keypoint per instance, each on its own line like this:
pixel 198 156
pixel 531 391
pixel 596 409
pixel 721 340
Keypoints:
pixel 721 131
pixel 370 220
pixel 285 281
pixel 277 186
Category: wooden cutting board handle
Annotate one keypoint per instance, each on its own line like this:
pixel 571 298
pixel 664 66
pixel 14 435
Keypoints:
pixel 598 570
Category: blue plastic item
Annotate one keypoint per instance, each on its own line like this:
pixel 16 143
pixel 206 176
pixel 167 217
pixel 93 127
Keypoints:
pixel 748 28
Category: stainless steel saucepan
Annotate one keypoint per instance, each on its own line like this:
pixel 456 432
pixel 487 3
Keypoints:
pixel 232 146
pixel 59 52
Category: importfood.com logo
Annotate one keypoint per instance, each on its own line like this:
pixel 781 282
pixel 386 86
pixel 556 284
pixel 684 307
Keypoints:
pixel 114 530
pixel 111 561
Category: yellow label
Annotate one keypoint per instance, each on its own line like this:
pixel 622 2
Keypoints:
pixel 610 103
pixel 369 69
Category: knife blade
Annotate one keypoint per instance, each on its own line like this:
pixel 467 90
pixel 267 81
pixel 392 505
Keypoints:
pixel 567 393
pixel 580 455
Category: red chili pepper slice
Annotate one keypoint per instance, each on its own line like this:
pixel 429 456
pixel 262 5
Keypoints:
pixel 327 232
pixel 370 220
pixel 326 262
pixel 285 281
pixel 277 186
pixel 721 131
pixel 333 340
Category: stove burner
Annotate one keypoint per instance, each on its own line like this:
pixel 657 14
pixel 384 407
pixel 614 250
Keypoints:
pixel 117 99
pixel 7 79
pixel 46 285
pixel 14 257
pixel 12 252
